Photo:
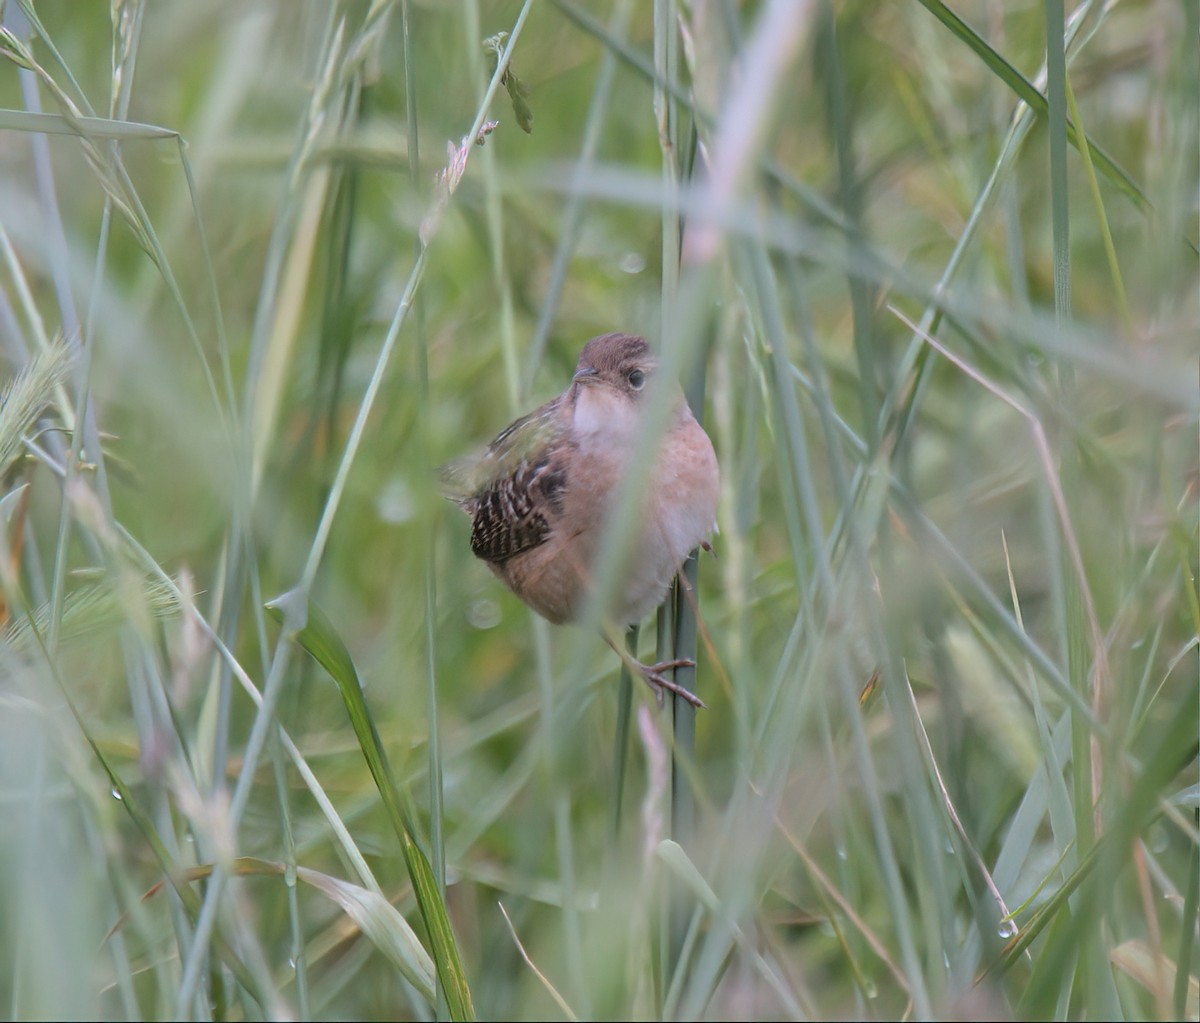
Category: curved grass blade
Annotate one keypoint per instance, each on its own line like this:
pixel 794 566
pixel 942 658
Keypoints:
pixel 84 127
pixel 383 925
pixel 319 638
pixel 1100 865
pixel 379 921
pixel 1030 95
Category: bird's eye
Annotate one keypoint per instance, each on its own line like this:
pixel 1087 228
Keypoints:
pixel 636 378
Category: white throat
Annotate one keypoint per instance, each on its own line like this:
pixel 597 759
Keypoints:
pixel 604 418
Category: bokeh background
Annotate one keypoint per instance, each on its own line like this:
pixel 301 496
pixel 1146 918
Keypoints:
pixel 257 283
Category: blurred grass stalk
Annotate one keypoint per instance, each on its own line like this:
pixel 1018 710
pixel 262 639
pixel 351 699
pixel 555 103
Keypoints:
pixel 1002 824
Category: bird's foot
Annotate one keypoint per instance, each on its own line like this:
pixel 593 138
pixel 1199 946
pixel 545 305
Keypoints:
pixel 656 680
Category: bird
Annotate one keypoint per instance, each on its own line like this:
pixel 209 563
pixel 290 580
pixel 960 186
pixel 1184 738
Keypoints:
pixel 539 496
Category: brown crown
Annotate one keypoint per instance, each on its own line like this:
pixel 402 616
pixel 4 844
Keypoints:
pixel 609 354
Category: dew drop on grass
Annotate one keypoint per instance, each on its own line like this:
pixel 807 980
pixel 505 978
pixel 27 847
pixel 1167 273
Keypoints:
pixel 1006 929
pixel 116 794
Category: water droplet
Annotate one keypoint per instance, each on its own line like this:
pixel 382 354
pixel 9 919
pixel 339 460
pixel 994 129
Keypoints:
pixel 632 263
pixel 394 503
pixel 870 990
pixel 292 962
pixel 116 794
pixel 841 853
pixel 483 613
pixel 1007 929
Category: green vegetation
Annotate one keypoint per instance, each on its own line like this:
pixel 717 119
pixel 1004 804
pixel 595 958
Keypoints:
pixel 273 743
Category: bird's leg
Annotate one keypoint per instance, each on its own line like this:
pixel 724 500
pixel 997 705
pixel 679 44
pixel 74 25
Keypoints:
pixel 652 674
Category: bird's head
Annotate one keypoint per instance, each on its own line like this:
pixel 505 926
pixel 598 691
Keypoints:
pixel 622 362
pixel 607 392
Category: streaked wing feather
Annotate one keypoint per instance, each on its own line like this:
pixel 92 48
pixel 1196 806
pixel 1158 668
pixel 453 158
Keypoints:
pixel 512 514
pixel 466 479
pixel 513 487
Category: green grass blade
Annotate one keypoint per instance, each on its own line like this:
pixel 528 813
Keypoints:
pixel 1174 747
pixel 429 565
pixel 621 740
pixel 319 638
pixel 1056 114
pixel 271 209
pixel 1110 249
pixel 382 923
pixel 84 127
pixel 1187 934
pixel 1029 94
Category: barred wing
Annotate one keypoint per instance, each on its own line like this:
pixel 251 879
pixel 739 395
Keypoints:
pixel 513 489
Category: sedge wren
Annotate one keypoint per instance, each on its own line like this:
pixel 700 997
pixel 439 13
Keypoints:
pixel 539 496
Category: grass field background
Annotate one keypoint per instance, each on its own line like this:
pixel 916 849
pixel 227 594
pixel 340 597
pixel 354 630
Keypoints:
pixel 274 744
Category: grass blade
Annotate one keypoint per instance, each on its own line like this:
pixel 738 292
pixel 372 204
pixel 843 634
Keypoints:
pixel 323 644
pixel 1029 94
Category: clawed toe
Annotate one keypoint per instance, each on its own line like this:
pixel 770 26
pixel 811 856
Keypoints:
pixel 652 673
pixel 661 666
pixel 654 677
